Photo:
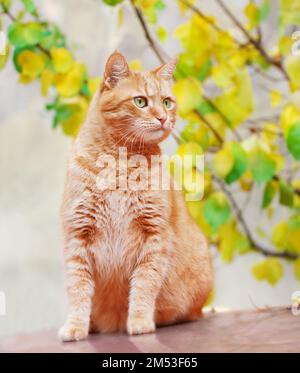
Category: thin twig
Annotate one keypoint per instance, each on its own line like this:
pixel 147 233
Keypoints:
pixel 147 32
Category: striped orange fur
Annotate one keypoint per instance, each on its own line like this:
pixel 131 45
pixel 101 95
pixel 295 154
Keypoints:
pixel 133 259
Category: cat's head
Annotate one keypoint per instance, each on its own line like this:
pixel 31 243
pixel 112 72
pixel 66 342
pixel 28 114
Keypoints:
pixel 138 106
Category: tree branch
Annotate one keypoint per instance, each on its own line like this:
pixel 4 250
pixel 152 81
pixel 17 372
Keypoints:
pixel 255 42
pixel 147 31
pixel 13 18
pixel 255 246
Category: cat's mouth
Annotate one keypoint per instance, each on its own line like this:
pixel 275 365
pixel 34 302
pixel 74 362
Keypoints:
pixel 159 128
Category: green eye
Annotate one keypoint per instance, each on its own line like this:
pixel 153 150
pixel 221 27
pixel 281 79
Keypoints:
pixel 168 103
pixel 140 102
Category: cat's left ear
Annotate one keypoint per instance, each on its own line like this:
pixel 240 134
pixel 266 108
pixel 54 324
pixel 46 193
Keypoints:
pixel 166 71
pixel 116 68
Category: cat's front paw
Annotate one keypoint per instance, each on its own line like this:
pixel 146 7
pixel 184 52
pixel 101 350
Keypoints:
pixel 140 325
pixel 73 332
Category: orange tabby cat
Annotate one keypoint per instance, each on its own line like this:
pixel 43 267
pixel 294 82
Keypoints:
pixel 134 258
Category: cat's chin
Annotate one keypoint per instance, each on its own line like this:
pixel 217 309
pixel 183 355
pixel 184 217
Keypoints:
pixel 156 136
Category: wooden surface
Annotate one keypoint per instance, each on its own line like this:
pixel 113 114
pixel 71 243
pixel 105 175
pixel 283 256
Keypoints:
pixel 269 330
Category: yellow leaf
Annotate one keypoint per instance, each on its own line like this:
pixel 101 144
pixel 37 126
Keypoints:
pixel 162 34
pixel 183 8
pixel 25 79
pixel 246 181
pixel 275 98
pixel 237 102
pixel 93 84
pixel 188 93
pixel 46 81
pixel 232 241
pixel 136 65
pixel 4 57
pixel 223 161
pixel 289 115
pixel 293 70
pixel 72 125
pixel 62 59
pixel 252 13
pixel 285 237
pixel 69 84
pixel 192 34
pixel 223 74
pixel 31 63
pixel 194 208
pixel 285 45
pixel 270 132
pixel 120 17
pixel 269 270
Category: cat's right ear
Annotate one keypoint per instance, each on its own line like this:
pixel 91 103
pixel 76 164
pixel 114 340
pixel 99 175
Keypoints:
pixel 116 69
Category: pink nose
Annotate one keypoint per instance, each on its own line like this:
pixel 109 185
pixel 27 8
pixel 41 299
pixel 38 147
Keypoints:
pixel 162 120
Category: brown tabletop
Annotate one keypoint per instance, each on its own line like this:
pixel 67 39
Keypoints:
pixel 268 330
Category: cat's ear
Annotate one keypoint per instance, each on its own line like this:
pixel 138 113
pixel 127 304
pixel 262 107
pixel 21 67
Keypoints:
pixel 116 68
pixel 166 71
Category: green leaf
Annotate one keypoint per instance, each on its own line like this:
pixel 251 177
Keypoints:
pixel 216 210
pixel 64 112
pixel 269 194
pixel 160 5
pixel 25 34
pixel 112 2
pixel 269 270
pixel 293 140
pixel 286 194
pixel 240 163
pixel 30 6
pixel 294 222
pixel 264 10
pixel 261 165
pixel 53 37
pixel 205 108
pixel 205 70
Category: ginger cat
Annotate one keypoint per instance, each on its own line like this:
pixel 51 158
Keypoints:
pixel 134 259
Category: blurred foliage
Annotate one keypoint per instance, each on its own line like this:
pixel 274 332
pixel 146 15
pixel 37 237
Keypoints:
pixel 217 92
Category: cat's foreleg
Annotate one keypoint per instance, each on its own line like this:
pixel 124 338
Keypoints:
pixel 80 290
pixel 145 285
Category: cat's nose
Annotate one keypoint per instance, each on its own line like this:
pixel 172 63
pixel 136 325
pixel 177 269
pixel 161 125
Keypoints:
pixel 162 120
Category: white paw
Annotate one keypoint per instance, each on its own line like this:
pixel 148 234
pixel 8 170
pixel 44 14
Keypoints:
pixel 72 332
pixel 140 326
